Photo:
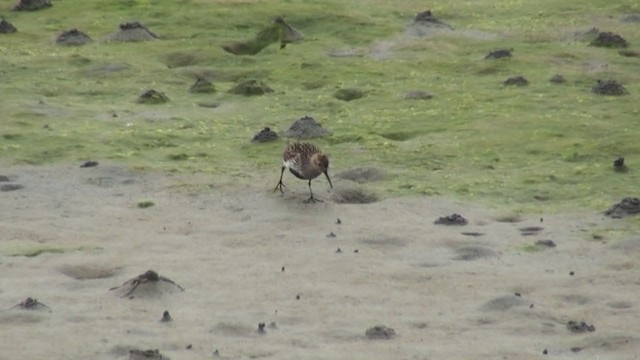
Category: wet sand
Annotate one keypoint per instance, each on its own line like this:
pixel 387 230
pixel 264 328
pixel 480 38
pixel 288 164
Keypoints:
pixel 245 256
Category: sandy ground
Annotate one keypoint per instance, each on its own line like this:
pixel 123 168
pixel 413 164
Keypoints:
pixel 447 295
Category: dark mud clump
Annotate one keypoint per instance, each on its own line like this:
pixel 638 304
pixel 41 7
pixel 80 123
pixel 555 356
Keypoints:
pixel 516 81
pixel 530 230
pixel 90 163
pixel 545 244
pixel 628 206
pixel 454 219
pixel 609 40
pixel 379 332
pixel 6 27
pixel 354 195
pixel 202 85
pixel 166 317
pixel 619 165
pixel 580 327
pixel 148 284
pixel 349 94
pixel 362 175
pixel 417 95
pixel 609 87
pixel 145 355
pixel 557 79
pixel 132 31
pixel 265 135
pixel 32 5
pixel 499 54
pixel 4 178
pixel 251 87
pixel 306 128
pixel 73 37
pixel 425 23
pixel 152 97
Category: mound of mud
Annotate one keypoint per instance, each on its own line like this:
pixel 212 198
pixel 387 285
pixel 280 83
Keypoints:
pixel 354 195
pixel 73 37
pixel 417 95
pixel 6 27
pixel 610 40
pixel 202 85
pixel 306 128
pixel 628 206
pixel 609 87
pixel 32 5
pixel 152 97
pixel 453 219
pixel 251 88
pixel 265 135
pixel 516 81
pixel 132 31
pixel 361 175
pixel 557 79
pixel 425 23
pixel 149 284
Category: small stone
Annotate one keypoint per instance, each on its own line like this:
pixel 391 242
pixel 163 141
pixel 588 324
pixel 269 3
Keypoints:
pixel 571 273
pixel 261 329
pixel 298 297
pixel 189 347
pixel 166 317
pixel 331 235
pixel 88 164
pixel 338 251
pixel 544 352
pixel 580 327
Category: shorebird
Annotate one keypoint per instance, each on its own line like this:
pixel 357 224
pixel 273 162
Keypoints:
pixel 306 162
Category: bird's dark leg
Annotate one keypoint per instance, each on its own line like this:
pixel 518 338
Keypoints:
pixel 280 184
pixel 312 199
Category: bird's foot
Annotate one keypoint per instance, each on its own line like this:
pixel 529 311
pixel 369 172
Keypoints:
pixel 312 200
pixel 279 186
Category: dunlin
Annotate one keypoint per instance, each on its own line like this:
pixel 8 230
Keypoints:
pixel 306 162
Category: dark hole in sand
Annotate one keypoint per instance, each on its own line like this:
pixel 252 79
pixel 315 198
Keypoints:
pixel 531 230
pixel 610 40
pixel 453 219
pixel 132 32
pixel 503 303
pixel 11 187
pixel 32 5
pixel 379 332
pixel 361 175
pixel 557 79
pixel 472 233
pixel 580 327
pixel 152 96
pixel 202 85
pixel 149 284
pixel 265 135
pixel 470 253
pixel 251 87
pixel 306 128
pixel 349 94
pixel 417 95
pixel 628 206
pixel 499 54
pixel 518 80
pixel 6 27
pixel 609 87
pixel 354 195
pixel 4 178
pixel 136 354
pixel 88 271
pixel 73 37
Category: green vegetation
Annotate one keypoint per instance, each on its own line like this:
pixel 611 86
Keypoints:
pixel 542 145
pixel 145 204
